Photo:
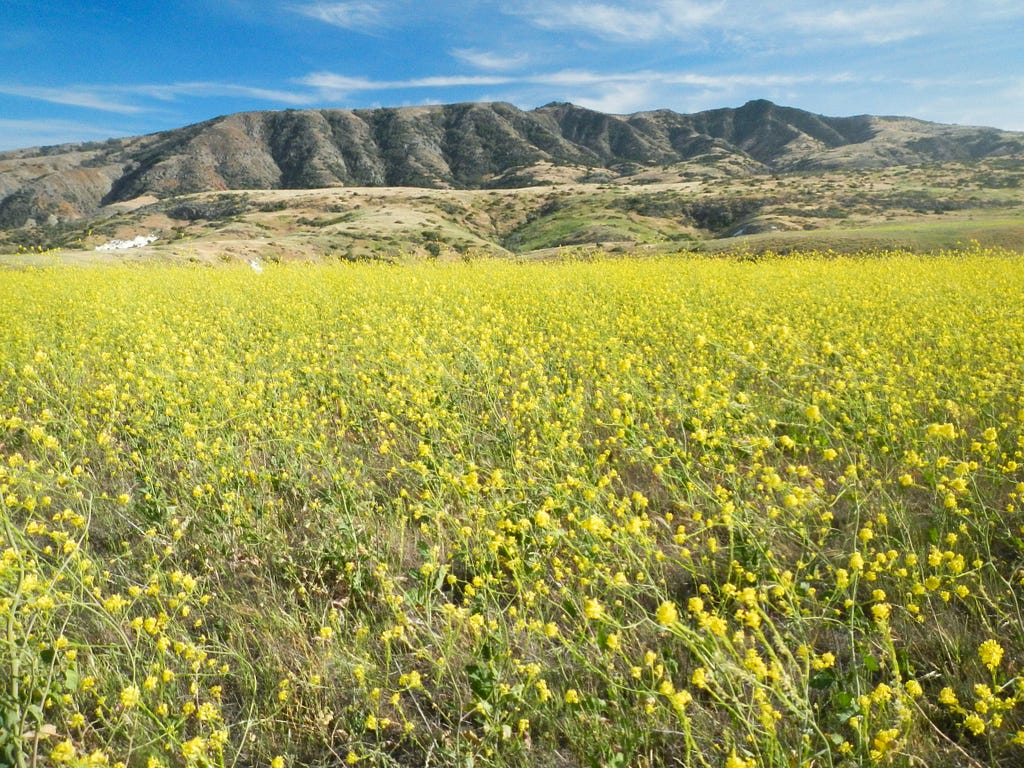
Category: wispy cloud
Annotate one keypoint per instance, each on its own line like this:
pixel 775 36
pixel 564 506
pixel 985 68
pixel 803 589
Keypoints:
pixel 604 21
pixel 327 87
pixel 347 15
pixel 331 82
pixel 490 60
pixel 937 59
pixel 318 87
pixel 332 86
pixel 615 92
pixel 73 96
pixel 873 24
pixel 626 21
pixel 1005 107
pixel 131 99
pixel 610 91
pixel 800 24
pixel 622 93
pixel 201 89
pixel 620 98
pixel 16 134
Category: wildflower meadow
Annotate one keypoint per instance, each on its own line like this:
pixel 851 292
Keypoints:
pixel 714 512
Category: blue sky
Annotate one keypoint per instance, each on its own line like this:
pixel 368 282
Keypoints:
pixel 74 70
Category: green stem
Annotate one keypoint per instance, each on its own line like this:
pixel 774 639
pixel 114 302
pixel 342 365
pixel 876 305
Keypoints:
pixel 15 664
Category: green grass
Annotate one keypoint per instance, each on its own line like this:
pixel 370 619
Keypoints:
pixel 920 235
pixel 588 221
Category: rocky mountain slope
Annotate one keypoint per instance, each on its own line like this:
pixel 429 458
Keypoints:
pixel 465 146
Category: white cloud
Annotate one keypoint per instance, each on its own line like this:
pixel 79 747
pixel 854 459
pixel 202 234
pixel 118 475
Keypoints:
pixel 333 86
pixel 130 99
pixel 611 92
pixel 791 25
pixel 214 90
pixel 604 21
pixel 18 134
pixel 72 96
pixel 329 82
pixel 674 78
pixel 615 91
pixel 347 15
pixel 452 81
pixel 628 92
pixel 620 98
pixel 1004 107
pixel 490 60
pixel 592 87
pixel 627 22
pixel 874 24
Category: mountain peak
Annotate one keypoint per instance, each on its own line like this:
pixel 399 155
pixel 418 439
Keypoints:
pixel 469 145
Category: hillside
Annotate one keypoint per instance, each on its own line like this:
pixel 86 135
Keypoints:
pixel 923 208
pixel 466 146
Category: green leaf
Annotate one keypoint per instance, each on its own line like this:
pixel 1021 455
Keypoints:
pixel 440 577
pixel 72 678
pixel 846 706
pixel 822 680
pixel 481 680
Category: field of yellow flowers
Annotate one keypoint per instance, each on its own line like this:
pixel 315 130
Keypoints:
pixel 676 511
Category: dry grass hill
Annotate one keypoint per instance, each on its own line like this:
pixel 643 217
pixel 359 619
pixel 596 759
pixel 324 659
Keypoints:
pixel 490 177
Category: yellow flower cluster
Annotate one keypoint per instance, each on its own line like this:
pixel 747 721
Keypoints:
pixel 721 512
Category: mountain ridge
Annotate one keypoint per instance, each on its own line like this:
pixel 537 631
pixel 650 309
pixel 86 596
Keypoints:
pixel 471 145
